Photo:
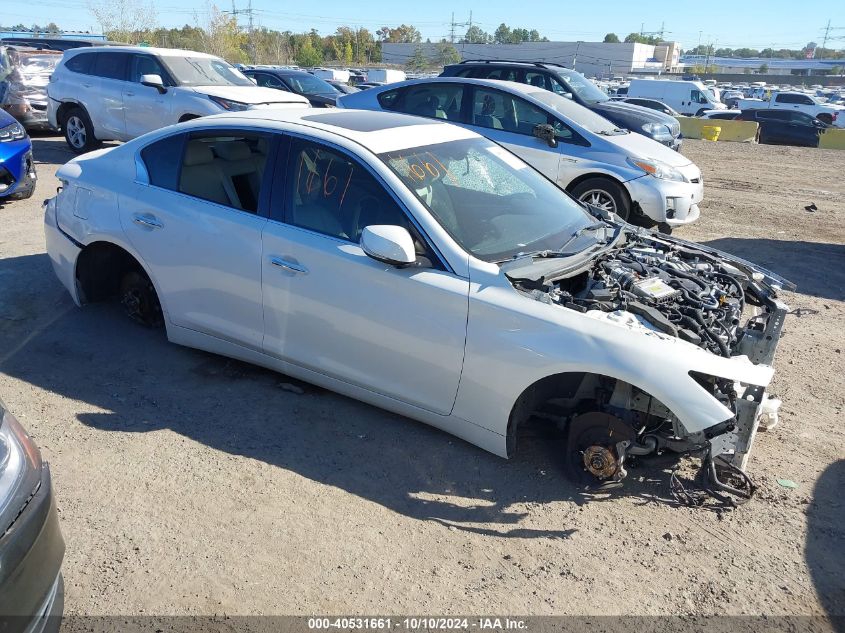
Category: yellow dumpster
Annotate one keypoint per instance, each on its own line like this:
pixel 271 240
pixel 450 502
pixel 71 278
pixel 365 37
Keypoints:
pixel 710 132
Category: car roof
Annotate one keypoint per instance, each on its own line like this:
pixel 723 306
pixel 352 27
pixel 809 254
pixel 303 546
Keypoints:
pixel 149 50
pixel 512 86
pixel 279 71
pixel 374 130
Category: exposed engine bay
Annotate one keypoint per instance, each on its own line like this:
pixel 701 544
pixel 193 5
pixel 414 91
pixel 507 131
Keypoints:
pixel 708 299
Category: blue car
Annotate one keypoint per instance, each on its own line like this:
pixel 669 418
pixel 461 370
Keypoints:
pixel 17 170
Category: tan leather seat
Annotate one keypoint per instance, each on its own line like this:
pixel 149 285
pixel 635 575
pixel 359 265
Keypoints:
pixel 200 176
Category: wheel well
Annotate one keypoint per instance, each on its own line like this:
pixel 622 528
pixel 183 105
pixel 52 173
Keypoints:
pixel 571 186
pixel 188 117
pixel 66 107
pixel 100 268
pixel 557 397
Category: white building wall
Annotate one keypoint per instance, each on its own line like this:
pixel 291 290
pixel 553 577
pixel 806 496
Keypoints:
pixel 593 59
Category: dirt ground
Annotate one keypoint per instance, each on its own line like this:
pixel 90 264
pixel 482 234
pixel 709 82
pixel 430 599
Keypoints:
pixel 190 484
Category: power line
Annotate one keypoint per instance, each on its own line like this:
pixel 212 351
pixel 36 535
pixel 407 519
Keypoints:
pixel 235 12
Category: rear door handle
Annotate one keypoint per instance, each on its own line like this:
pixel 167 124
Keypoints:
pixel 290 266
pixel 147 220
pixel 130 94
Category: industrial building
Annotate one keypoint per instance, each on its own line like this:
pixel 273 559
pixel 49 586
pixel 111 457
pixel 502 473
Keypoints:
pixel 593 59
pixel 770 66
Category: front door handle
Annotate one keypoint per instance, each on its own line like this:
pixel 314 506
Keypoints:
pixel 289 266
pixel 147 220
pixel 129 94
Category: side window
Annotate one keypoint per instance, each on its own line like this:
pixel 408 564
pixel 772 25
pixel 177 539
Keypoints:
pixel 537 79
pixel 162 160
pixel 226 168
pixel 388 100
pixel 332 194
pixel 696 96
pixel 559 88
pixel 436 101
pixel 146 65
pixel 500 111
pixel 784 99
pixel 503 74
pixel 80 63
pixel 111 65
pixel 268 81
pixel 528 116
pixel 805 100
pixel 802 117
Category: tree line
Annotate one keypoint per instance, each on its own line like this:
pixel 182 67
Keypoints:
pixel 217 32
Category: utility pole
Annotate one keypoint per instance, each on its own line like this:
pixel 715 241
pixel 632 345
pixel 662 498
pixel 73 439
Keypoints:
pixel 826 34
pixel 453 24
pixel 250 32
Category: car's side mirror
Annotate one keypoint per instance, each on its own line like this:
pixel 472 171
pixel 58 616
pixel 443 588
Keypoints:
pixel 389 244
pixel 546 132
pixel 153 81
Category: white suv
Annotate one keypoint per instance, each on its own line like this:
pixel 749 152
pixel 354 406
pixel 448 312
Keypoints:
pixel 118 93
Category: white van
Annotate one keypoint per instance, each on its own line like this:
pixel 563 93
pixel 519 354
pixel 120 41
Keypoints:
pixel 687 97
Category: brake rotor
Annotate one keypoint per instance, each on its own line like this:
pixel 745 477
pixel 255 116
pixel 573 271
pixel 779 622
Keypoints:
pixel 600 462
pixel 593 447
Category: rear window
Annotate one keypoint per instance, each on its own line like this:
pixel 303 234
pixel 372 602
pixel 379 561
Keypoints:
pixel 387 100
pixel 163 159
pixel 110 65
pixel 80 63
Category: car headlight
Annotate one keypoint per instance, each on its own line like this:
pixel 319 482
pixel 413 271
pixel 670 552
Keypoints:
pixel 657 169
pixel 20 465
pixel 657 131
pixel 13 132
pixel 228 104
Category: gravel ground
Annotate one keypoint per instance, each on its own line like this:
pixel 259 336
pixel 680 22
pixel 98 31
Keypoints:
pixel 191 484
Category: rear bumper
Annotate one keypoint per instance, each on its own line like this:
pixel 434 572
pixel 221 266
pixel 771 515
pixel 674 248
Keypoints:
pixel 31 555
pixel 62 249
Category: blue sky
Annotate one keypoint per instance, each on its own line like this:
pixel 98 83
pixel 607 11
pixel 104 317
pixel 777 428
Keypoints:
pixel 778 23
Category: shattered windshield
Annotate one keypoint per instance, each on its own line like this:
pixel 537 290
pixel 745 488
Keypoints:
pixel 491 202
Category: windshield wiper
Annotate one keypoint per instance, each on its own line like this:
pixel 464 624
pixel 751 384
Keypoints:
pixel 559 253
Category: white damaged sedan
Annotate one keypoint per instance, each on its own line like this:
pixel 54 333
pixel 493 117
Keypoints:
pixel 422 268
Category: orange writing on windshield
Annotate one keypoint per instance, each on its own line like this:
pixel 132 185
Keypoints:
pixel 423 168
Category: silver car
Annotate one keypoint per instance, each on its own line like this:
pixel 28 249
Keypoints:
pixel 628 174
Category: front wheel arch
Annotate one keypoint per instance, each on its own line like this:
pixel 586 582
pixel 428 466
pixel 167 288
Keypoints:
pixel 594 179
pixel 541 392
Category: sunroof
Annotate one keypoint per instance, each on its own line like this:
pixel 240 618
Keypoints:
pixel 365 120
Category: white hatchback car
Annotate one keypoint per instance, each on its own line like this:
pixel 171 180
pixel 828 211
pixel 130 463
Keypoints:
pixel 422 268
pixel 120 92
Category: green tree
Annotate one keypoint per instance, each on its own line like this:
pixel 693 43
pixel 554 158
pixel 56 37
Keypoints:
pixel 419 61
pixel 402 34
pixel 611 38
pixel 308 56
pixel 447 54
pixel 347 53
pixel 475 35
pixel 764 68
pixel 502 34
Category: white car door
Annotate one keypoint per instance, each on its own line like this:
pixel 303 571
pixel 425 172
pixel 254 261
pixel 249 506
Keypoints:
pixel 197 227
pixel 146 108
pixel 108 108
pixel 331 309
pixel 510 121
